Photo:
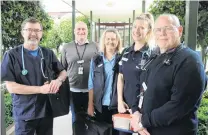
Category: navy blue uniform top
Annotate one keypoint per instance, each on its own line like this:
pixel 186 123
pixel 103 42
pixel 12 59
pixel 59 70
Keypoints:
pixel 129 66
pixel 33 106
pixel 173 93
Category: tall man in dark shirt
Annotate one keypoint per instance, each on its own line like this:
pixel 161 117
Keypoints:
pixel 24 71
pixel 172 85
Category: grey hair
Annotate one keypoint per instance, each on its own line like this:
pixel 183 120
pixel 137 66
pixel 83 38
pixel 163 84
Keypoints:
pixel 173 18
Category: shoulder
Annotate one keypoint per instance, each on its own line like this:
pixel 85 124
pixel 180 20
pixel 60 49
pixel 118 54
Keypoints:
pixel 190 54
pixel 14 51
pixel 92 44
pixel 46 50
pixel 68 45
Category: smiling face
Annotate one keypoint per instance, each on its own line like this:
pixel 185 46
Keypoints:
pixel 81 32
pixel 140 30
pixel 111 42
pixel 32 33
pixel 167 33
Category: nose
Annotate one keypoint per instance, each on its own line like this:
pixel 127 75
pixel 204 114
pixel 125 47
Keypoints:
pixel 163 32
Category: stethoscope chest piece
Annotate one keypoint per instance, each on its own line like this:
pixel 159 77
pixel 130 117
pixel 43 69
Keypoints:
pixel 24 72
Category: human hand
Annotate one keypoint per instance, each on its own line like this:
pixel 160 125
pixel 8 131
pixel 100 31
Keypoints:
pixel 144 132
pixel 135 119
pixel 54 86
pixel 44 89
pixel 90 110
pixel 122 107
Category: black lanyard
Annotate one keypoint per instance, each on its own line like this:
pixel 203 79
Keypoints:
pixel 80 58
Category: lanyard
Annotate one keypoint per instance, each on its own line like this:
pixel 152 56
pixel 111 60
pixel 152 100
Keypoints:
pixel 80 58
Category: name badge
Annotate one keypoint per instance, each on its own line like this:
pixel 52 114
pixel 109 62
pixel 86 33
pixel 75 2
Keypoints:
pixel 100 65
pixel 141 101
pixel 80 61
pixel 125 59
pixel 144 86
pixel 142 62
pixel 80 70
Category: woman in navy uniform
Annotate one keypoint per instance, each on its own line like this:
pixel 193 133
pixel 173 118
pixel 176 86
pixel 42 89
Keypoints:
pixel 132 60
pixel 24 71
pixel 173 84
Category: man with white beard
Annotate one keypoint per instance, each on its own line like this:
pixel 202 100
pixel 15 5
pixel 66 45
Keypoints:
pixel 24 71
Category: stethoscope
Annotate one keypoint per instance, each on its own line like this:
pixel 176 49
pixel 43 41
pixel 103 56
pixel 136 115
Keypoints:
pixel 25 71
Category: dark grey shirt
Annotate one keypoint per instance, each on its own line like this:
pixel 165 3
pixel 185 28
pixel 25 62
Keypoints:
pixel 69 60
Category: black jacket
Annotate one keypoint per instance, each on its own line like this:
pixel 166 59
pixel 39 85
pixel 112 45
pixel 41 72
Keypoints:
pixel 173 95
pixel 99 83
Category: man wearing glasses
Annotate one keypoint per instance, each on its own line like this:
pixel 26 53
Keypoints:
pixel 173 84
pixel 24 71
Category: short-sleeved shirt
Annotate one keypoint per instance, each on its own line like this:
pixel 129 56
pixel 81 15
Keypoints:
pixel 32 106
pixel 130 67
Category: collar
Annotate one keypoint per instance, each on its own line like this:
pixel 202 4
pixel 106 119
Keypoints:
pixel 106 60
pixel 143 49
pixel 86 42
pixel 169 51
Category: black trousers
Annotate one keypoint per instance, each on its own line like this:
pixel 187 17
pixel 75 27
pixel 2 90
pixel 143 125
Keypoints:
pixel 106 116
pixel 79 103
pixel 42 126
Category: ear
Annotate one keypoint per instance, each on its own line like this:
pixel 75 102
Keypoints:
pixel 180 30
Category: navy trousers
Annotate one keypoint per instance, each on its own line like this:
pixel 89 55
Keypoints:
pixel 42 126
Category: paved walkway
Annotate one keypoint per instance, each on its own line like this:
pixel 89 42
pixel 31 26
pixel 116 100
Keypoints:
pixel 62 125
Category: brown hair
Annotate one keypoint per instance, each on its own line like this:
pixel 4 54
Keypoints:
pixel 30 20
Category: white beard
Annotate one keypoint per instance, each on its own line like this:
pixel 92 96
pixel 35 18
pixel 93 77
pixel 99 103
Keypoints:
pixel 32 42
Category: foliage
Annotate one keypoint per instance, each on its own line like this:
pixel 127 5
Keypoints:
pixel 52 39
pixel 178 8
pixel 65 28
pixel 203 115
pixel 8 109
pixel 13 13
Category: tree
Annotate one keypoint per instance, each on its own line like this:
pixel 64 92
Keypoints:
pixel 52 39
pixel 13 13
pixel 178 8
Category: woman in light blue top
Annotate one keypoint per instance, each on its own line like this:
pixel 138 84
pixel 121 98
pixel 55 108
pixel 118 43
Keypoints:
pixel 103 77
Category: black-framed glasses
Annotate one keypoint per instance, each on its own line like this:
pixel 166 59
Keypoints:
pixel 33 30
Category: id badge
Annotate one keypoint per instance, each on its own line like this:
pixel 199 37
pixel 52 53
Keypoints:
pixel 80 70
pixel 141 101
pixel 80 61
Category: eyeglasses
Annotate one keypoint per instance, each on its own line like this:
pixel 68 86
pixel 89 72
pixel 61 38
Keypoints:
pixel 33 30
pixel 167 29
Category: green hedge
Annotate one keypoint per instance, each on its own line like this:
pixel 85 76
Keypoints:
pixel 203 115
pixel 8 109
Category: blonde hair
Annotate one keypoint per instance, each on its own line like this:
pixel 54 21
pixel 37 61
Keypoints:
pixel 150 20
pixel 102 40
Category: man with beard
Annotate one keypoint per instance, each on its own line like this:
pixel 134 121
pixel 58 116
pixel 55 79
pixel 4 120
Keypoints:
pixel 24 71
pixel 76 57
